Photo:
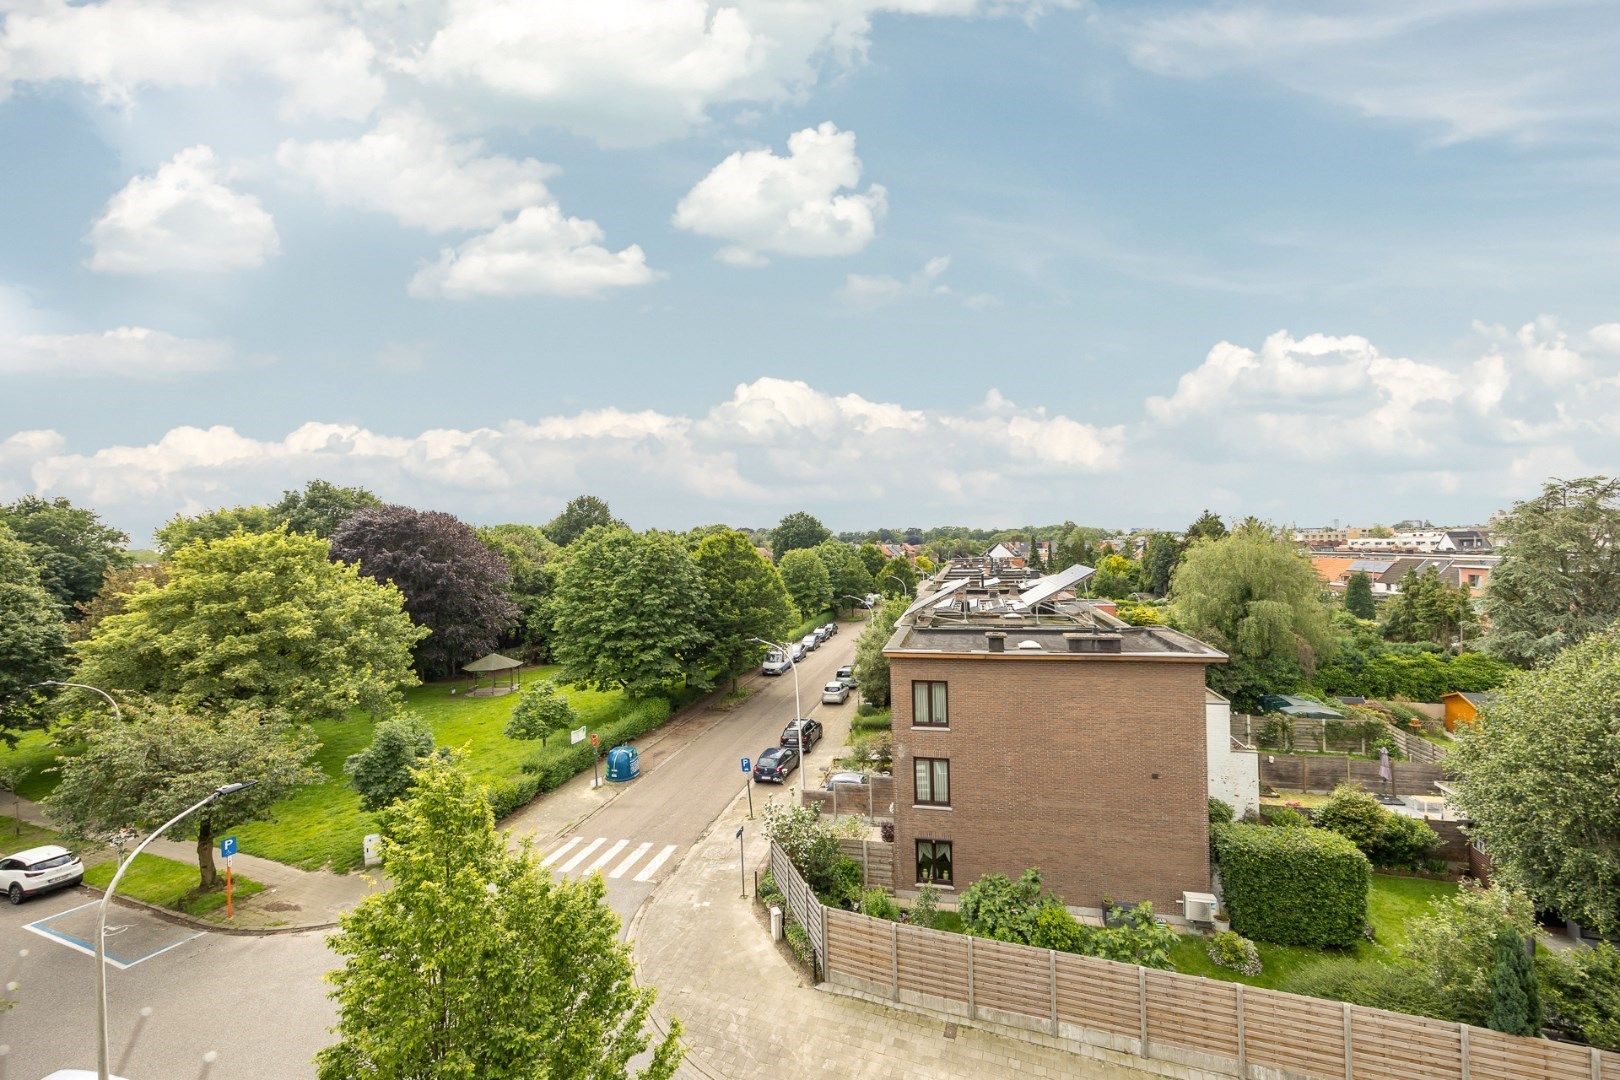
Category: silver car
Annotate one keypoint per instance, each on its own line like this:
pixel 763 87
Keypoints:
pixel 810 642
pixel 834 693
pixel 776 663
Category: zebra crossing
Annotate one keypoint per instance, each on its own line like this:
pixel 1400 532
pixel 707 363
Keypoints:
pixel 578 857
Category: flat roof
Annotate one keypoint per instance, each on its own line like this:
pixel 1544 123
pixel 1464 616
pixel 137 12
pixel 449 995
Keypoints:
pixel 1051 640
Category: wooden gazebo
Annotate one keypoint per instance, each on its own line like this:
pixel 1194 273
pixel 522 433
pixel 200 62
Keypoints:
pixel 493 666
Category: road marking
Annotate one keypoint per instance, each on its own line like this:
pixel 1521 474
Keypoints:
pixel 618 871
pixel 583 854
pixel 658 860
pixel 88 948
pixel 560 852
pixel 601 860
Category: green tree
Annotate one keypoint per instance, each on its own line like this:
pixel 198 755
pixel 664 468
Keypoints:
pixel 1536 774
pixel 1253 595
pixel 541 712
pixel 1427 609
pixel 1208 526
pixel 1515 1003
pixel 532 559
pixel 797 530
pixel 33 637
pixel 382 772
pixel 475 962
pixel 807 581
pixel 120 583
pixel 746 600
pixel 871 666
pixel 1116 577
pixel 263 619
pixel 629 613
pixel 1559 578
pixel 159 760
pixel 70 546
pixel 873 558
pixel 583 512
pixel 321 507
pixel 1159 561
pixel 1453 945
pixel 896 567
pixel 1358 597
pixel 847 575
pixel 183 529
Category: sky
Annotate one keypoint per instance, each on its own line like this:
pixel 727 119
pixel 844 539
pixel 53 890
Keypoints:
pixel 896 262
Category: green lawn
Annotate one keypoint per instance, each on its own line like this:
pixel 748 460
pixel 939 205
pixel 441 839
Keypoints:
pixel 21 835
pixel 169 884
pixel 1392 902
pixel 35 755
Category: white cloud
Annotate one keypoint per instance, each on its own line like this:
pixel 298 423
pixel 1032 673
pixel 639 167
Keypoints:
pixel 128 352
pixel 643 70
pixel 322 62
pixel 183 217
pixel 408 166
pixel 869 290
pixel 1606 336
pixel 538 252
pixel 803 204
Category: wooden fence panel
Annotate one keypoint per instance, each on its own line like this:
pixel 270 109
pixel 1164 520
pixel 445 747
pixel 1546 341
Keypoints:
pixel 1323 773
pixel 934 962
pixel 1098 994
pixel 1302 1034
pixel 876 858
pixel 858 947
pixel 1394 1046
pixel 1495 1056
pixel 1013 978
pixel 801 900
pixel 1192 1013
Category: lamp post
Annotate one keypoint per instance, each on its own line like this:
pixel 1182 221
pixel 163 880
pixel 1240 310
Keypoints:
pixel 102 1066
pixel 798 709
pixel 859 600
pixel 93 689
pixel 898 580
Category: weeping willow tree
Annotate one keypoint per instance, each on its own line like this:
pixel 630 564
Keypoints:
pixel 1253 595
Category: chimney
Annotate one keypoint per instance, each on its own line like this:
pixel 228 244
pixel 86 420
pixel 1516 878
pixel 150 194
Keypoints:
pixel 1094 643
pixel 997 640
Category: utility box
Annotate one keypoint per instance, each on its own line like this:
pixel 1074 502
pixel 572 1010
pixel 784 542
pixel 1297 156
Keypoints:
pixel 776 924
pixel 1199 908
pixel 623 764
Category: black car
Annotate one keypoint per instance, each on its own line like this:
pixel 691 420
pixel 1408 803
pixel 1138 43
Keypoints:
pixel 773 765
pixel 812 734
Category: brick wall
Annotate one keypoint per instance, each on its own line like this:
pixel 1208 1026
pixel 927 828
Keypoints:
pixel 1091 769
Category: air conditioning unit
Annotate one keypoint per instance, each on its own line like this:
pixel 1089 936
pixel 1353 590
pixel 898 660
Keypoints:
pixel 1199 907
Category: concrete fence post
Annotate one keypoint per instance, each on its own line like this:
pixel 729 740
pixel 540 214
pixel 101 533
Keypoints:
pixel 866 874
pixel 973 1005
pixel 1349 1046
pixel 1597 1064
pixel 1051 973
pixel 826 946
pixel 894 958
pixel 1243 1054
pixel 1141 1000
pixel 1462 1050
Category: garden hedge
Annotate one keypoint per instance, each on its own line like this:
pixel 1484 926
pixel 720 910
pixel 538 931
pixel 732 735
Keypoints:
pixel 545 774
pixel 1293 886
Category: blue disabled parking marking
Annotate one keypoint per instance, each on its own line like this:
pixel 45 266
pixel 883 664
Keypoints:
pixel 132 937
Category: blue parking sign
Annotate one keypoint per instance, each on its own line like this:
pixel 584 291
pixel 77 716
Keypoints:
pixel 227 847
pixel 745 765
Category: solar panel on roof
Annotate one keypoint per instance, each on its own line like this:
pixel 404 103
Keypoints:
pixel 1045 587
pixel 936 595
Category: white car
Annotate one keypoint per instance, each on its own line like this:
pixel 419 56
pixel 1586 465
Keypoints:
pixel 834 693
pixel 29 873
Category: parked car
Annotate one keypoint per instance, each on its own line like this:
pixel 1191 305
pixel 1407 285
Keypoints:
pixel 820 634
pixel 832 629
pixel 799 651
pixel 812 734
pixel 834 693
pixel 846 675
pixel 38 870
pixel 773 765
pixel 776 663
pixel 810 642
pixel 846 779
pixel 874 599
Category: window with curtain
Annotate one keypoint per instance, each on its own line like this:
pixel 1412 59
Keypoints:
pixel 933 777
pixel 934 861
pixel 928 704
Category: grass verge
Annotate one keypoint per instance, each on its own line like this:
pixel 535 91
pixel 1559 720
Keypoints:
pixel 170 884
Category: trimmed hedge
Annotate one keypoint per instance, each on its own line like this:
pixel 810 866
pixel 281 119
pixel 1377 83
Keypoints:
pixel 1293 886
pixel 545 773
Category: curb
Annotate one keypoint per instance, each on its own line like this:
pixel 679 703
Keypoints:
pixel 180 918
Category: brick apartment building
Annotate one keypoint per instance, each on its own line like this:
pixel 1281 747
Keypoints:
pixel 1032 729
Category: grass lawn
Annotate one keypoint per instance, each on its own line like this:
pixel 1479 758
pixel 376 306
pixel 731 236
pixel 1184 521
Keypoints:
pixel 34 754
pixel 170 884
pixel 1391 903
pixel 21 835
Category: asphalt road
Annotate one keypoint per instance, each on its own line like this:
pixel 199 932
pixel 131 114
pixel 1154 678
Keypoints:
pixel 208 1006
pixel 686 782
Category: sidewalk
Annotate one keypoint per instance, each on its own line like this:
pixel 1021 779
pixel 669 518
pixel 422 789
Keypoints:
pixel 747 1012
pixel 292 898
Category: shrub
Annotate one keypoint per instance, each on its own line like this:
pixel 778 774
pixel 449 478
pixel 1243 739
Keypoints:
pixel 382 772
pixel 1515 1002
pixel 842 885
pixel 1294 886
pixel 1454 945
pixel 1580 993
pixel 1052 927
pixel 1388 839
pixel 995 907
pixel 879 905
pixel 1407 843
pixel 1233 951
pixel 1277 733
pixel 1375 985
pixel 925 909
pixel 1136 937
pixel 799 942
pixel 1220 812
pixel 1284 817
pixel 808 841
pixel 768 893
pixel 886 830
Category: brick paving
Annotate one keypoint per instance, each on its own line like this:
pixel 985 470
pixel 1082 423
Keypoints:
pixel 748 1012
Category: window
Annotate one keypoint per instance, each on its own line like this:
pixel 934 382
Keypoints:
pixel 928 704
pixel 934 861
pixel 933 781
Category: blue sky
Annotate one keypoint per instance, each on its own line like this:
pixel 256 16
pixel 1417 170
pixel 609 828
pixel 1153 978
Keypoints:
pixel 895 261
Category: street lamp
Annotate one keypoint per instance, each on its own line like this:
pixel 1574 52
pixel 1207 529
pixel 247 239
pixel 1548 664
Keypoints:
pixel 102 1068
pixel 898 580
pixel 859 600
pixel 93 689
pixel 798 709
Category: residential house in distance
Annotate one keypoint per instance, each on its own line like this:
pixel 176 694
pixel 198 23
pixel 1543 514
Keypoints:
pixel 1388 571
pixel 1016 552
pixel 1034 729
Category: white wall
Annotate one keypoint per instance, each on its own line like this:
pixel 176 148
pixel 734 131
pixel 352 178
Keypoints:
pixel 1234 775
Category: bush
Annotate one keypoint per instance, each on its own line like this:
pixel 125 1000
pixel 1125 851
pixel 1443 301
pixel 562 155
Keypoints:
pixel 925 909
pixel 1284 817
pixel 1580 994
pixel 842 885
pixel 1388 839
pixel 1220 812
pixel 769 894
pixel 799 942
pixel 1407 843
pixel 1515 1000
pixel 1052 927
pixel 996 907
pixel 809 842
pixel 1233 951
pixel 1395 987
pixel 1454 946
pixel 1294 886
pixel 1136 938
pixel 879 905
